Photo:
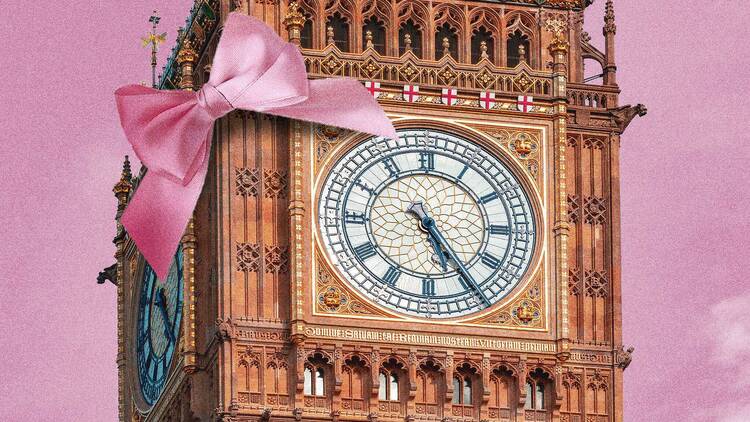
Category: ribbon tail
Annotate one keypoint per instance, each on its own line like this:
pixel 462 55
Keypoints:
pixel 342 103
pixel 157 215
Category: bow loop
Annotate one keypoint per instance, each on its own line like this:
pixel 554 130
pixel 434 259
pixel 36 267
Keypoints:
pixel 253 69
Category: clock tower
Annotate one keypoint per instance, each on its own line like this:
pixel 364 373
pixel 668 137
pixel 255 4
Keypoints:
pixel 467 270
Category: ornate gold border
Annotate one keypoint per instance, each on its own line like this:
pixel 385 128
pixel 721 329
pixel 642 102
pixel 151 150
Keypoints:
pixel 473 130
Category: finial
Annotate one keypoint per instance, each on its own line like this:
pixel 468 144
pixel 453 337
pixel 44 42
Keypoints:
pixel 521 53
pixel 483 49
pixel 123 186
pixel 446 47
pixel 294 21
pixel 186 58
pixel 368 39
pixel 329 34
pixel 609 18
pixel 407 42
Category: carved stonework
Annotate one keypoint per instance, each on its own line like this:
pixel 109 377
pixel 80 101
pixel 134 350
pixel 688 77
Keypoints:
pixel 593 143
pixel 246 181
pixel 596 284
pixel 276 259
pixel 574 208
pixel 523 144
pixel 526 311
pixel 333 297
pixel 595 210
pixel 274 183
pixel 596 381
pixel 574 282
pixel 248 257
pixel 624 357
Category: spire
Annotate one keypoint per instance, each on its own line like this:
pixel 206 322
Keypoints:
pixel 123 187
pixel 609 19
pixel 610 70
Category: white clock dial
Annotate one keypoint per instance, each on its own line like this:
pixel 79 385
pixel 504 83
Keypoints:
pixel 429 224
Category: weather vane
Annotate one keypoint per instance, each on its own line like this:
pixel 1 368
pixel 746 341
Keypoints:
pixel 153 39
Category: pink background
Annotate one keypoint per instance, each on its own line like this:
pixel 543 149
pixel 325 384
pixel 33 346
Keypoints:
pixel 684 186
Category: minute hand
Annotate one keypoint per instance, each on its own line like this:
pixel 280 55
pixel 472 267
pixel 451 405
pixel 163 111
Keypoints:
pixel 428 224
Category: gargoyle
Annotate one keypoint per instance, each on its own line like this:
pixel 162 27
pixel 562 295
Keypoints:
pixel 624 115
pixel 109 273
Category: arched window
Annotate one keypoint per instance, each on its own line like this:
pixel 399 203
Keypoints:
pixel 410 39
pixel 308 381
pixel 314 381
pixel 306 35
pixel 518 48
pixel 462 390
pixel 373 35
pixel 446 42
pixel 337 32
pixel 319 389
pixel 536 394
pixel 388 389
pixel 482 45
pixel 393 388
pixel 456 390
pixel 383 388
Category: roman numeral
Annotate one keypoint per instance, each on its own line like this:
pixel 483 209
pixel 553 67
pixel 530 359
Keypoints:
pixel 490 261
pixel 391 276
pixel 391 166
pixel 365 251
pixel 364 187
pixel 463 172
pixel 355 218
pixel 426 161
pixel 489 197
pixel 498 229
pixel 428 287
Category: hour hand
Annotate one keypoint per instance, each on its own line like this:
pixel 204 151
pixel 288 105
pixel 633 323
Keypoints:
pixel 439 256
pixel 425 222
pixel 161 303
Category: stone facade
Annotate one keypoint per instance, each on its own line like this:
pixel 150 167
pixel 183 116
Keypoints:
pixel 263 307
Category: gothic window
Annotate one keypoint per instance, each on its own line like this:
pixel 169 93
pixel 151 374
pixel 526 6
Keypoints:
pixel 337 32
pixel 465 381
pixel 388 390
pixel 354 383
pixel 410 39
pixel 502 397
pixel 482 45
pixel 446 42
pixel 518 48
pixel 306 35
pixel 314 381
pixel 373 35
pixel 537 394
pixel 429 394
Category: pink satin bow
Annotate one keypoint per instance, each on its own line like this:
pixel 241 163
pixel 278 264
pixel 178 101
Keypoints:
pixel 171 131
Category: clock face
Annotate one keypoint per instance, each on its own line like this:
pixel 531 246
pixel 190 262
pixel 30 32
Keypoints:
pixel 159 317
pixel 429 224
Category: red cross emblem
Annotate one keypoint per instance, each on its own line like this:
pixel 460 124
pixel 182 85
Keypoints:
pixel 411 93
pixel 487 100
pixel 373 88
pixel 449 96
pixel 525 103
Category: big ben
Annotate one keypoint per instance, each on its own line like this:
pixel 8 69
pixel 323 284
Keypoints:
pixel 466 270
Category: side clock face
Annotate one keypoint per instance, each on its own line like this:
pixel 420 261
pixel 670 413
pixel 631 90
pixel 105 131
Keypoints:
pixel 159 317
pixel 429 224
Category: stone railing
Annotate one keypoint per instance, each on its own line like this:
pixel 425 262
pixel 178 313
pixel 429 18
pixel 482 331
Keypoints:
pixel 409 69
pixel 592 96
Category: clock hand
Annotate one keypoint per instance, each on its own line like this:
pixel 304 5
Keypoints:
pixel 427 223
pixel 161 303
pixel 439 256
